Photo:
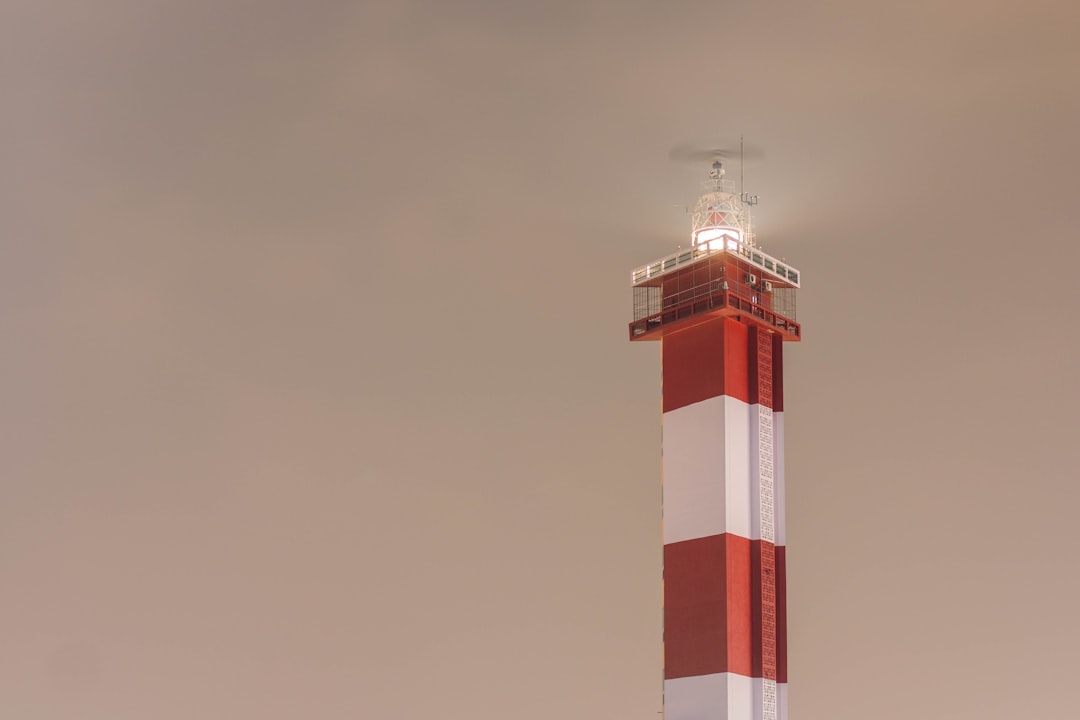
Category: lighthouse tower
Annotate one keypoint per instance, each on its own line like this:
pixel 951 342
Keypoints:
pixel 722 310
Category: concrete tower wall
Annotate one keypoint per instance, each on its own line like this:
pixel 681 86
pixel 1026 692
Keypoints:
pixel 724 556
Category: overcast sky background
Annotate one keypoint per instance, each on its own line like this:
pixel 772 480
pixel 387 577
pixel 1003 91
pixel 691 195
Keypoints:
pixel 315 393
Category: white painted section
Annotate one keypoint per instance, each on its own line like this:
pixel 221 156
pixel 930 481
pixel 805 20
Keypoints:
pixel 706 467
pixel 737 467
pixel 779 514
pixel 721 696
pixel 693 470
pixel 769 705
pixel 778 478
pixel 762 475
pixel 759 704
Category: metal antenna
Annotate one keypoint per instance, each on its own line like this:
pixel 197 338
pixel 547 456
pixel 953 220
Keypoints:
pixel 750 200
pixel 740 165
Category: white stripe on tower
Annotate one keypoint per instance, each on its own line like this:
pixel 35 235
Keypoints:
pixel 707 470
pixel 719 696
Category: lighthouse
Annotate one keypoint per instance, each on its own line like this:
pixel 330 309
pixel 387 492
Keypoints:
pixel 722 310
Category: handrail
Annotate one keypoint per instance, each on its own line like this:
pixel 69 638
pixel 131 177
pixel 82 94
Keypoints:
pixel 727 299
pixel 753 255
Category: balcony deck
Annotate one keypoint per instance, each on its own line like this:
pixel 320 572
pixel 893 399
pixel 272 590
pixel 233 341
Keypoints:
pixel 713 303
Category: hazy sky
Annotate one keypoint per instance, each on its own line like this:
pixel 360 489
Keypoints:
pixel 315 393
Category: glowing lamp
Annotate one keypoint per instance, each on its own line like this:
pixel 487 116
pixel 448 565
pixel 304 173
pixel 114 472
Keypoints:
pixel 718 238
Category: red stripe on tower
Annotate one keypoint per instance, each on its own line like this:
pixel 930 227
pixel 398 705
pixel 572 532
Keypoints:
pixel 707 626
pixel 705 361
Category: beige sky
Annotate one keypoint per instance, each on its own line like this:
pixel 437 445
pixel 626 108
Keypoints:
pixel 316 395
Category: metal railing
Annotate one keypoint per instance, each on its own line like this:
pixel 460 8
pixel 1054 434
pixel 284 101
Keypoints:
pixel 753 255
pixel 715 298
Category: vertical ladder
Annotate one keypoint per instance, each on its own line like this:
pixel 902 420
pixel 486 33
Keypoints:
pixel 768 526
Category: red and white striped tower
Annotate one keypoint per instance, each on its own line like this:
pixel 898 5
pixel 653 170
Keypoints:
pixel 722 310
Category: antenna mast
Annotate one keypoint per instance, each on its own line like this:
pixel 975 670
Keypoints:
pixel 740 165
